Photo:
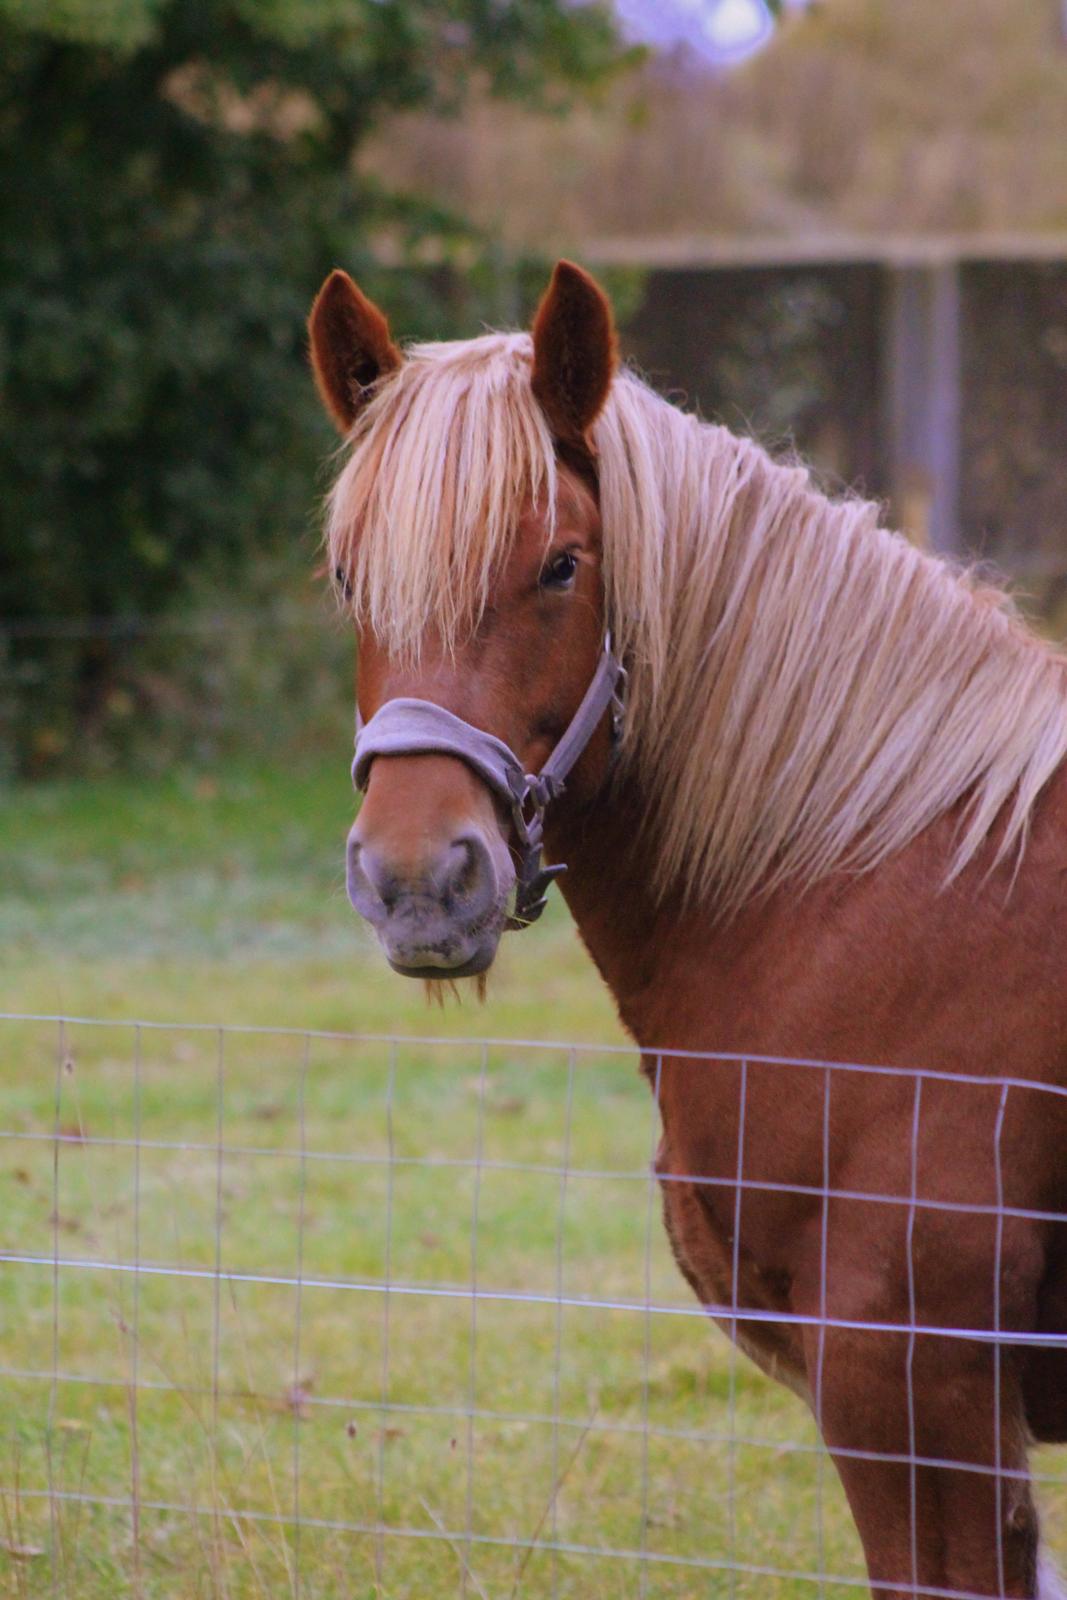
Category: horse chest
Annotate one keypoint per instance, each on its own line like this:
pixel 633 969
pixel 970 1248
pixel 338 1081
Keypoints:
pixel 700 1233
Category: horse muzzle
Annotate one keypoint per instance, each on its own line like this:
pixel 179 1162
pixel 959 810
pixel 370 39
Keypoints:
pixel 439 917
pixel 445 916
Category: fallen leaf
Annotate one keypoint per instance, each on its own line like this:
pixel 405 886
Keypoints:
pixel 68 1224
pixel 507 1106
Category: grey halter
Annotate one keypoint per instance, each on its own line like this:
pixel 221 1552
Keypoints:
pixel 418 727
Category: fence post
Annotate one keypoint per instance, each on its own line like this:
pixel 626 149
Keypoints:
pixel 923 403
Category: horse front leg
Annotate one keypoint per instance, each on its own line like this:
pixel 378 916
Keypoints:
pixel 930 1445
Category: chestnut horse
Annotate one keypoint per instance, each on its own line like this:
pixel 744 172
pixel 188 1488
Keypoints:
pixel 830 823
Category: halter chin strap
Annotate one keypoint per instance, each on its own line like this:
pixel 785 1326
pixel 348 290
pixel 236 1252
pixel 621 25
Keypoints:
pixel 418 727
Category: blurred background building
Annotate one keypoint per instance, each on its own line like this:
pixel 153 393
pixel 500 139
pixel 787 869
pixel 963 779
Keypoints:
pixel 853 235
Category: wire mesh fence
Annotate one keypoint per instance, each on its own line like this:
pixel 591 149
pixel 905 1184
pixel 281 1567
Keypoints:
pixel 318 1314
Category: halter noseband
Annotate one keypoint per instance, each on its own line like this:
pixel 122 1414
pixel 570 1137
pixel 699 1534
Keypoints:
pixel 418 727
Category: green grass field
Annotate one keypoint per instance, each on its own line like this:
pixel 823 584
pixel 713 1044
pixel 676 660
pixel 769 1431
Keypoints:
pixel 251 1388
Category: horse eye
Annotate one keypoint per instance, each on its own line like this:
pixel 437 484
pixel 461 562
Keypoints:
pixel 343 583
pixel 559 573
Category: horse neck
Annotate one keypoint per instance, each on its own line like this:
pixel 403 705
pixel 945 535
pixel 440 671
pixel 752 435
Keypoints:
pixel 853 968
pixel 639 942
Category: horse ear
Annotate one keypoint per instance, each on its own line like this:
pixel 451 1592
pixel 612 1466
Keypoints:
pixel 575 352
pixel 350 347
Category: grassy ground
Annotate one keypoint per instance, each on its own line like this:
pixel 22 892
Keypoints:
pixel 288 1388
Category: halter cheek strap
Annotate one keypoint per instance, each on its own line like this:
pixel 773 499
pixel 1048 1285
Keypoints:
pixel 418 727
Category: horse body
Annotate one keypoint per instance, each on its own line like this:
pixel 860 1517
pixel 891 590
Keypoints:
pixel 891 970
pixel 846 1227
pixel 887 970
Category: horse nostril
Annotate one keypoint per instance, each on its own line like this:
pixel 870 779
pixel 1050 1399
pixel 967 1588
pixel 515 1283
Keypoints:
pixel 459 879
pixel 382 879
pixel 461 868
pixel 372 888
pixel 469 877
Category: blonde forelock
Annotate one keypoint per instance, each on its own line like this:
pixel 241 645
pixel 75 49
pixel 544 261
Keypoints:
pixel 442 464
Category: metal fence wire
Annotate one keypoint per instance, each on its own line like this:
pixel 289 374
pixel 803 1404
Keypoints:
pixel 315 1314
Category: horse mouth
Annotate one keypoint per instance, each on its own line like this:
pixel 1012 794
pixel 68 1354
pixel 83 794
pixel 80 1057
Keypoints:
pixel 450 958
pixel 446 953
pixel 471 968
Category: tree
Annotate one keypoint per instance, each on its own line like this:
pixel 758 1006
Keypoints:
pixel 179 177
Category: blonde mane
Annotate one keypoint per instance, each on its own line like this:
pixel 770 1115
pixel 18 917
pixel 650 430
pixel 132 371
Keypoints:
pixel 807 690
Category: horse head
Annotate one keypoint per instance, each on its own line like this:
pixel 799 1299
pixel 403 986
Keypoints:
pixel 466 533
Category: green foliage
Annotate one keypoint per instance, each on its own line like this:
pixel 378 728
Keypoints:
pixel 179 177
